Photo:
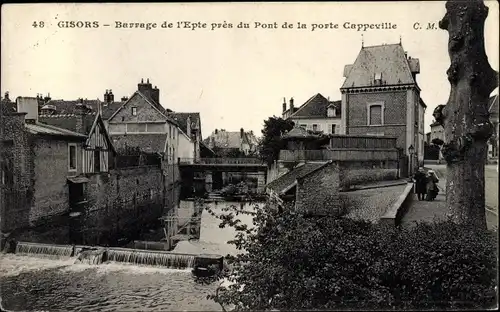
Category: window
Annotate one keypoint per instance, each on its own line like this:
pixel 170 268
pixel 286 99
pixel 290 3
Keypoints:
pixel 134 111
pixel 375 114
pixel 331 111
pixel 72 157
pixel 315 127
pixel 97 161
pixel 333 128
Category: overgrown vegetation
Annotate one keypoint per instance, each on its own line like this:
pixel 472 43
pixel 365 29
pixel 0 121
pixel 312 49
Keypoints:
pixel 271 142
pixel 289 262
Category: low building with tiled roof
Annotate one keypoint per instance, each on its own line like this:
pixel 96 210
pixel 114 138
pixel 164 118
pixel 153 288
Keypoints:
pixel 381 97
pixel 313 187
pixel 317 113
pixel 225 143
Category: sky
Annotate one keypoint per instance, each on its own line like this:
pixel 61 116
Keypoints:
pixel 235 77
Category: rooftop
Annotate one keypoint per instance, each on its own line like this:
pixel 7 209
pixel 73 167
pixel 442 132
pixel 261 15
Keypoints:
pixel 44 129
pixel 288 180
pixel 388 62
pixel 316 106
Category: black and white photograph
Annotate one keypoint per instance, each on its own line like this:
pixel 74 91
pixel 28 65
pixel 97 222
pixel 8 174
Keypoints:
pixel 249 156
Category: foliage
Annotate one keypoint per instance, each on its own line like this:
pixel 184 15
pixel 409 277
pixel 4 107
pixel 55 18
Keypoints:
pixel 437 141
pixel 271 142
pixel 290 262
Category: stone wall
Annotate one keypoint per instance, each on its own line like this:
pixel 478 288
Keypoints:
pixel 318 192
pixel 121 205
pixel 51 196
pixel 356 172
pixel 16 167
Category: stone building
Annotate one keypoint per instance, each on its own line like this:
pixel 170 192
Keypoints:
pixel 381 97
pixel 38 161
pixel 314 187
pixel 317 114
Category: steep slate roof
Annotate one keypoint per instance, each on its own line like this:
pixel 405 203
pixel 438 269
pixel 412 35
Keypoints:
pixel 286 181
pixel 181 119
pixel 157 106
pixel 389 59
pixel 316 106
pixel 68 121
pixel 64 107
pixel 43 129
pixel 147 142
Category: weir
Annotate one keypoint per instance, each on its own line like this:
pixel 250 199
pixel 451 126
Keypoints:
pixel 57 251
pixel 98 255
pixel 152 258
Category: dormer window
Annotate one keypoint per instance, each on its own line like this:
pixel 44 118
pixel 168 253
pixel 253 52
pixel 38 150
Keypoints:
pixel 331 111
pixel 134 111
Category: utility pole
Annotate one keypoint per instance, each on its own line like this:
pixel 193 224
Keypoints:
pixel 465 117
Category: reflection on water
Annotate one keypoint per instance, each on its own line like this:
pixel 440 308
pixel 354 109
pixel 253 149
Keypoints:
pixel 29 283
pixel 56 283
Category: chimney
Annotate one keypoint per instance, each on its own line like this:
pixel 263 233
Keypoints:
pixel 106 97
pixel 145 88
pixel 124 98
pixel 80 112
pixel 216 131
pixel 188 126
pixel 291 105
pixel 284 105
pixel 6 96
pixel 155 95
pixel 47 98
pixel 111 96
pixel 242 133
pixel 28 105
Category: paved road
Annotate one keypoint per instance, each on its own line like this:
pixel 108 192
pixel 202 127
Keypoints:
pixel 491 183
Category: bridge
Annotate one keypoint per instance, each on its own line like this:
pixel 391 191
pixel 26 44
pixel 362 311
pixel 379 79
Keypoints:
pixel 214 173
pixel 224 164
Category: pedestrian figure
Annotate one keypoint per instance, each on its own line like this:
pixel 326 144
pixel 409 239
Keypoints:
pixel 432 188
pixel 420 183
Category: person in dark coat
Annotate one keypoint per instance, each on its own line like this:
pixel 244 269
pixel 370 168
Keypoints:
pixel 432 188
pixel 420 183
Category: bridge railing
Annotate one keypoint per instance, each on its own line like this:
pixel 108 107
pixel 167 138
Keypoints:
pixel 222 161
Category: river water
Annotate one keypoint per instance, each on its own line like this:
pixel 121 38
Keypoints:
pixel 48 283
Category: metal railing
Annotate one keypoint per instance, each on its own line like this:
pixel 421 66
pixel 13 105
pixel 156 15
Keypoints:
pixel 222 161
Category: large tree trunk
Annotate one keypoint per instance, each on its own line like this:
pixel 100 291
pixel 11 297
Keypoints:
pixel 465 118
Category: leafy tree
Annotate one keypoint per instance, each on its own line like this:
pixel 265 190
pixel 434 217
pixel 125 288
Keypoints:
pixel 271 142
pixel 291 262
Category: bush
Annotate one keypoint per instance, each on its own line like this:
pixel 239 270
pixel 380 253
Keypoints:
pixel 293 262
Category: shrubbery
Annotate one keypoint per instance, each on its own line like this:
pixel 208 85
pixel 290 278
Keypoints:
pixel 295 262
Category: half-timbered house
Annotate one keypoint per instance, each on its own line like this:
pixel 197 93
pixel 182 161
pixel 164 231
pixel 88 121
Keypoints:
pixel 98 150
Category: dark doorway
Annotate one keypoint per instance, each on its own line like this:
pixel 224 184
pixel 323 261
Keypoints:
pixel 97 161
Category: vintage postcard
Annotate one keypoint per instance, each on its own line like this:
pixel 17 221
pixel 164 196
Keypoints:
pixel 249 156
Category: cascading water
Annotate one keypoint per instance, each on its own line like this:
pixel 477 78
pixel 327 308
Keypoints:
pixel 151 258
pixel 35 249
